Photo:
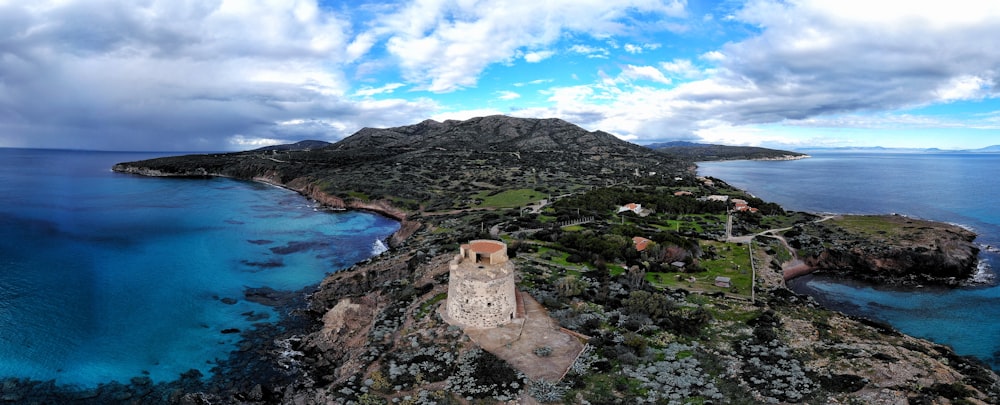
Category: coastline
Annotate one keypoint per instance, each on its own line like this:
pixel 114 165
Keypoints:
pixel 306 188
pixel 365 283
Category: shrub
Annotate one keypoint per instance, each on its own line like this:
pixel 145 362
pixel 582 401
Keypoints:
pixel 544 351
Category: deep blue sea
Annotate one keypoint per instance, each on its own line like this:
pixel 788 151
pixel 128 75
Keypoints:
pixel 107 276
pixel 950 187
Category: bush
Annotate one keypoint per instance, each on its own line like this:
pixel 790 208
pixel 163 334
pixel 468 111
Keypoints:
pixel 544 351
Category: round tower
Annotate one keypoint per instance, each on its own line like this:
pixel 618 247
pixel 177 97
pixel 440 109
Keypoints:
pixel 481 291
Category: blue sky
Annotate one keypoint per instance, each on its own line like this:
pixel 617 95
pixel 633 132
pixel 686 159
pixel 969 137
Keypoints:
pixel 199 75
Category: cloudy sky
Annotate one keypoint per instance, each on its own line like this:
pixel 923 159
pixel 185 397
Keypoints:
pixel 209 75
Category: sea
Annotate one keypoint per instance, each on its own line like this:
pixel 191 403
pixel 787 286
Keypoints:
pixel 107 276
pixel 959 188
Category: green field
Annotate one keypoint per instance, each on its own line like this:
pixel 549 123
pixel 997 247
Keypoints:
pixel 733 262
pixel 509 198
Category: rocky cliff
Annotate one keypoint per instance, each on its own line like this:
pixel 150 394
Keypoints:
pixel 888 249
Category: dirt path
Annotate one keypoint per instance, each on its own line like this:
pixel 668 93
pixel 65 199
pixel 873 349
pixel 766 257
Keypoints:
pixel 790 269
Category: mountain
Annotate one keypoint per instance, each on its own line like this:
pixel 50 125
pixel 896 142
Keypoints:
pixel 495 133
pixel 301 145
pixel 988 149
pixel 707 152
pixel 439 165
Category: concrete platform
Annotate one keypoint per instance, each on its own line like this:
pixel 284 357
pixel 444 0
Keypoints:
pixel 516 341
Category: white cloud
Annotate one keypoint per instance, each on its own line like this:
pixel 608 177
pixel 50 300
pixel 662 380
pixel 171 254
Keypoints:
pixel 713 56
pixel 178 75
pixel 590 51
pixel 533 82
pixel 369 91
pixel 965 87
pixel 535 57
pixel 681 68
pixel 244 142
pixel 507 95
pixel 635 49
pixel 445 45
pixel 632 72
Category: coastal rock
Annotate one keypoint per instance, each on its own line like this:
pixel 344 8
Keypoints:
pixel 888 250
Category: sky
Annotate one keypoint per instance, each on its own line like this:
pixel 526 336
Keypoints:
pixel 221 75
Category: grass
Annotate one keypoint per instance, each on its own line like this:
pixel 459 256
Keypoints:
pixel 359 195
pixel 426 307
pixel 691 222
pixel 509 198
pixel 733 262
pixel 780 252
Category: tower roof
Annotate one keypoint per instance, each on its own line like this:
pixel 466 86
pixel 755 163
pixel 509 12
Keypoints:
pixel 483 246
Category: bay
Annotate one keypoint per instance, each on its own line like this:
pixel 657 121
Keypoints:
pixel 107 276
pixel 950 187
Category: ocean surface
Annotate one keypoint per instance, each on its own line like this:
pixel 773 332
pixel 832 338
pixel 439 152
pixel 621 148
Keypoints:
pixel 949 187
pixel 107 276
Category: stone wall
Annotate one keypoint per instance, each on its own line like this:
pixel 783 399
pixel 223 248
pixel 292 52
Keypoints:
pixel 481 293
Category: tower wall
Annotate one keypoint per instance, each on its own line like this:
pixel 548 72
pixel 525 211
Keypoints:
pixel 481 287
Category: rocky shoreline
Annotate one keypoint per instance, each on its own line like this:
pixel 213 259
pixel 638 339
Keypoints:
pixel 889 250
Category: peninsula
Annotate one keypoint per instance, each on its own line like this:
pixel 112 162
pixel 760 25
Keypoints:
pixel 673 283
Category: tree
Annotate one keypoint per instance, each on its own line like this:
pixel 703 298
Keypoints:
pixel 654 304
pixel 570 286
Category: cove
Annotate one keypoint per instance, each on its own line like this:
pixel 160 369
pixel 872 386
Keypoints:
pixel 947 187
pixel 107 276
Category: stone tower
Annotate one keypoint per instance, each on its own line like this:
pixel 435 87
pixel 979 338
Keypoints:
pixel 481 290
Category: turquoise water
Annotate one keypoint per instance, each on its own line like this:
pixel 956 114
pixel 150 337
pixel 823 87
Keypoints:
pixel 107 276
pixel 956 188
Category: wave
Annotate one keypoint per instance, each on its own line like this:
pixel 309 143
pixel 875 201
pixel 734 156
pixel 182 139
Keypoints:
pixel 379 247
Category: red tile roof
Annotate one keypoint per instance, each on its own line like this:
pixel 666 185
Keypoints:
pixel 640 243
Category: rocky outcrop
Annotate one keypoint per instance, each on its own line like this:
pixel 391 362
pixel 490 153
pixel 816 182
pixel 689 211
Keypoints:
pixel 888 250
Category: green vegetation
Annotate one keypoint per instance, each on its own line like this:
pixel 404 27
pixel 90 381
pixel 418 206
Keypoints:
pixel 427 305
pixel 509 198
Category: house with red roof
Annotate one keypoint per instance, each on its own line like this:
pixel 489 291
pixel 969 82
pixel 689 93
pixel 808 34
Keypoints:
pixel 641 243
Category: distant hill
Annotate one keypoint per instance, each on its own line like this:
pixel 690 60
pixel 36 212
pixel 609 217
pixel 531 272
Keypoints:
pixel 707 152
pixel 880 149
pixel 988 149
pixel 301 145
pixel 440 165
pixel 495 133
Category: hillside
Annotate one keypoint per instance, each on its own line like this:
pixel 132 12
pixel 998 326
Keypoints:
pixel 492 134
pixel 301 145
pixel 434 166
pixel 659 326
pixel 704 152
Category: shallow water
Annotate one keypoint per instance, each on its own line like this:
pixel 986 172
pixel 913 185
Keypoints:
pixel 107 276
pixel 956 188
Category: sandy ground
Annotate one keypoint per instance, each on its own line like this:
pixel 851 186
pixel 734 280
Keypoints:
pixel 516 342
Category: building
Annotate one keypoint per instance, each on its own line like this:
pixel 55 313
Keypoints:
pixel 724 282
pixel 682 193
pixel 640 243
pixel 742 206
pixel 636 208
pixel 481 290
